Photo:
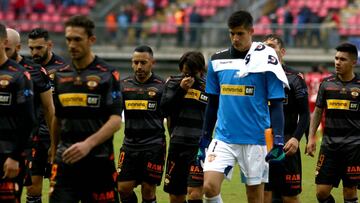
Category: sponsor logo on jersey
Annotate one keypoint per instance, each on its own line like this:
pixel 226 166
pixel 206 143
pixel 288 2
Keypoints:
pixel 342 104
pixel 140 105
pixel 237 90
pixel 5 98
pixel 196 94
pixel 79 100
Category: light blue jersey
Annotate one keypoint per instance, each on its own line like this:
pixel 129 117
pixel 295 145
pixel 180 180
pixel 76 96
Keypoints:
pixel 243 112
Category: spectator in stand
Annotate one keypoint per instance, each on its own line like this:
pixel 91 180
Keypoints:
pixel 123 21
pixel 314 21
pixel 195 27
pixel 330 28
pixel 140 9
pixel 111 25
pixel 179 21
pixel 19 8
pixel 4 5
pixel 39 6
pixel 288 27
pixel 302 20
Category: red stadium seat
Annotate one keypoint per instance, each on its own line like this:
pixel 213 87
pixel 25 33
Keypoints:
pixel 58 27
pixel 35 17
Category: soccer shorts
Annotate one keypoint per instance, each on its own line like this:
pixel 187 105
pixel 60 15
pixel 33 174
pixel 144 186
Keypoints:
pixel 182 169
pixel 221 157
pixel 142 165
pixel 338 163
pixel 285 177
pixel 92 179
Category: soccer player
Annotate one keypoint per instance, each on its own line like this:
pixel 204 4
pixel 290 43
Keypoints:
pixel 285 177
pixel 184 102
pixel 240 82
pixel 87 102
pixel 42 99
pixel 16 118
pixel 41 52
pixel 339 156
pixel 142 155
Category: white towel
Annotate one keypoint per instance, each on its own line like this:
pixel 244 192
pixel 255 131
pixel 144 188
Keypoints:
pixel 262 58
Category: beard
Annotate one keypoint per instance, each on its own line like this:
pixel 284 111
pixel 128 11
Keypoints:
pixel 40 59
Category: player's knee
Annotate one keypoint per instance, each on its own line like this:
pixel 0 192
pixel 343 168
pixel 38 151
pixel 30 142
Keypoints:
pixel 211 189
pixel 148 191
pixel 177 198
pixel 125 190
pixel 34 190
pixel 130 198
pixel 350 192
pixel 291 199
pixel 195 193
pixel 328 199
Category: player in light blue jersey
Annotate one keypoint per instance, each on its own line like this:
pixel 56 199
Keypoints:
pixel 241 82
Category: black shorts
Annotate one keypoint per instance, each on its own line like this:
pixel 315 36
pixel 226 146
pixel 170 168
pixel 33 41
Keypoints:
pixel 142 165
pixel 285 177
pixel 338 163
pixel 182 169
pixel 39 157
pixel 92 179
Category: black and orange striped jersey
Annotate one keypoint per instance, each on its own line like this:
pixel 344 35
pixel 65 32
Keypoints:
pixel 84 100
pixel 41 84
pixel 185 110
pixel 143 117
pixel 16 108
pixel 341 101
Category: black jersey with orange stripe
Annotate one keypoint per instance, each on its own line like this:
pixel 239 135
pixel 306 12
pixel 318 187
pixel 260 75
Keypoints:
pixel 85 99
pixel 143 116
pixel 341 102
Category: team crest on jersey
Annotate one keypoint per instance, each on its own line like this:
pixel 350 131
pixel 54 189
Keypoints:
pixel 92 81
pixel 355 92
pixel 78 81
pixel 272 60
pixel 5 80
pixel 152 91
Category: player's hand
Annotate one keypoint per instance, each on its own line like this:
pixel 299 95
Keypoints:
pixel 187 82
pixel 11 168
pixel 311 146
pixel 276 154
pixel 203 145
pixel 291 146
pixel 75 152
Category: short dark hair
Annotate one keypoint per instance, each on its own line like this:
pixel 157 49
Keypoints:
pixel 144 48
pixel 240 18
pixel 39 33
pixel 194 60
pixel 81 21
pixel 3 33
pixel 275 37
pixel 349 48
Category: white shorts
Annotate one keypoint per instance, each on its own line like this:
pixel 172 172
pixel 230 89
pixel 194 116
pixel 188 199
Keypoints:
pixel 221 157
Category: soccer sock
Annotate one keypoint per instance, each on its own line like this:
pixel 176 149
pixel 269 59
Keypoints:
pixel 149 200
pixel 354 200
pixel 131 199
pixel 33 199
pixel 216 199
pixel 329 199
pixel 195 201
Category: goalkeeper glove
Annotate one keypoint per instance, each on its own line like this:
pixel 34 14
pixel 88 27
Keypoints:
pixel 277 152
pixel 203 145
